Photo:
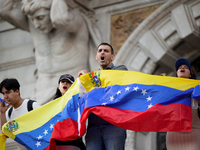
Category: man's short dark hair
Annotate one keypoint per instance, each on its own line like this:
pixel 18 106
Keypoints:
pixel 112 50
pixel 9 84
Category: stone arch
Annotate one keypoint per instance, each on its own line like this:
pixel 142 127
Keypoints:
pixel 170 32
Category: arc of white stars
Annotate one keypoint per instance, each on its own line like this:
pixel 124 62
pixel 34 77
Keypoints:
pixel 45 132
pixel 38 143
pixel 149 106
pixel 111 98
pixel 144 92
pixel 51 126
pixel 127 88
pixel 118 92
pixel 149 98
pixel 135 88
pixel 39 137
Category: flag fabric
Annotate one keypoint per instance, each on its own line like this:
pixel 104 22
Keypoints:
pixel 138 101
pixel 128 99
pixel 34 129
pixel 2 141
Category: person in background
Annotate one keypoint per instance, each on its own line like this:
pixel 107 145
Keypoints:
pixel 185 140
pixel 64 83
pixel 10 88
pixel 101 135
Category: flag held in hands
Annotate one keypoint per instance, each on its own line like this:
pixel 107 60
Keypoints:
pixel 128 99
pixel 140 102
pixel 2 141
pixel 35 129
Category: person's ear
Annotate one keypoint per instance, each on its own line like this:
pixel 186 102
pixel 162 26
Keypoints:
pixel 112 57
pixel 96 57
pixel 17 91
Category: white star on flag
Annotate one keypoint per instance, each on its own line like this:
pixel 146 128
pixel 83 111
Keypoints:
pixel 149 106
pixel 149 98
pixel 111 98
pixel 38 143
pixel 135 88
pixel 45 132
pixel 118 92
pixel 51 126
pixel 143 92
pixel 39 137
pixel 127 88
pixel 103 104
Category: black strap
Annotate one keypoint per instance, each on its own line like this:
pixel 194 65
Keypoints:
pixel 10 111
pixel 29 107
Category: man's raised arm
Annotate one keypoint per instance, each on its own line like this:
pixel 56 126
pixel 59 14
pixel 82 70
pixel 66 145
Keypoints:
pixel 65 17
pixel 10 11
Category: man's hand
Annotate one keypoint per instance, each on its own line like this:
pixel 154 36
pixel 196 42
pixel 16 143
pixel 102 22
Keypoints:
pixel 3 106
pixel 82 72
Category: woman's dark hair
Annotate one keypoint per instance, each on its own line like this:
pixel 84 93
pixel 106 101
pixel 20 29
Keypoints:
pixel 69 77
pixel 58 94
pixel 9 84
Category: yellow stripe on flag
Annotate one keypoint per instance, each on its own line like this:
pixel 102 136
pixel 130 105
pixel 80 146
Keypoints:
pixel 113 77
pixel 38 117
pixel 2 141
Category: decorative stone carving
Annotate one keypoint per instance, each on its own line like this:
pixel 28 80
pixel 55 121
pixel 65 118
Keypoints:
pixel 195 11
pixel 167 32
pixel 17 63
pixel 64 35
pixel 172 31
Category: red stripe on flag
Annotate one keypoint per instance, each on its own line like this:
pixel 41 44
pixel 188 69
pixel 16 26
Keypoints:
pixel 159 118
pixel 66 130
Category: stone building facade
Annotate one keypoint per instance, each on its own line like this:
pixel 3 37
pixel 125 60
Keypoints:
pixel 163 31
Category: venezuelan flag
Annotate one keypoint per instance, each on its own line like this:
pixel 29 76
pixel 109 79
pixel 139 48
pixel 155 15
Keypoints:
pixel 2 141
pixel 128 99
pixel 35 129
pixel 139 102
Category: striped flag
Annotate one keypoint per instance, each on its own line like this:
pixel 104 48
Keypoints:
pixel 128 99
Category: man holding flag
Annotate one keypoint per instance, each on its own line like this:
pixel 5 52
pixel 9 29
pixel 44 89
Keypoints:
pixel 127 99
pixel 100 133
